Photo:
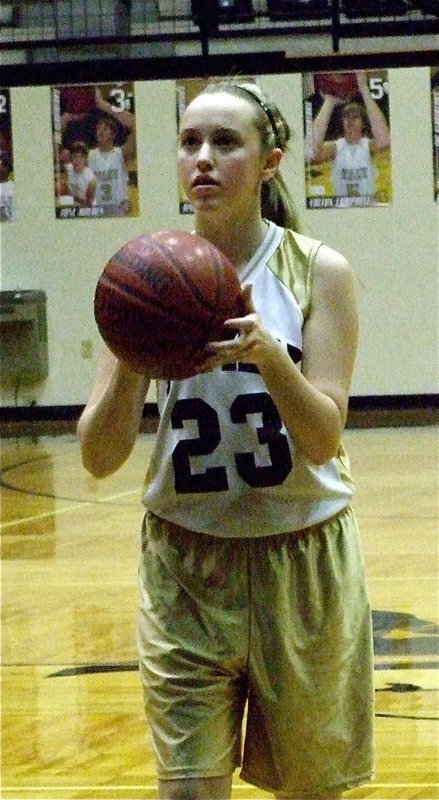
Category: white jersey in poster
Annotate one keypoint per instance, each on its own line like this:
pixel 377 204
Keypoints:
pixel 78 182
pixel 111 173
pixel 223 462
pixel 353 171
pixel 7 200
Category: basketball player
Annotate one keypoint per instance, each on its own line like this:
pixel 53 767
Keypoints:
pixel 81 180
pixel 252 587
pixel 6 188
pixel 353 169
pixel 109 165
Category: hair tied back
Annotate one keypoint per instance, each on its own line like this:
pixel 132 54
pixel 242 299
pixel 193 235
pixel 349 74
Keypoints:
pixel 261 102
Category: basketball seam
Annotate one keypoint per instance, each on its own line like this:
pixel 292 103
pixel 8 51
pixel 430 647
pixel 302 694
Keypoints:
pixel 121 287
pixel 133 292
pixel 184 273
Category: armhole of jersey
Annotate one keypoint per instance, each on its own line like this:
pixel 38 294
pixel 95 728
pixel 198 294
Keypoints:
pixel 309 248
pixel 312 256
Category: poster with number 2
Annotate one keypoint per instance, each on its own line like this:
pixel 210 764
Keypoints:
pixel 7 182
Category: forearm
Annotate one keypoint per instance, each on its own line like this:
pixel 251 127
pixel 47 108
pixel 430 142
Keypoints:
pixel 320 125
pixel 313 419
pixel 377 120
pixel 109 425
pixel 127 118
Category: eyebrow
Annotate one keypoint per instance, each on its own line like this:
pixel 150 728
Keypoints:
pixel 215 129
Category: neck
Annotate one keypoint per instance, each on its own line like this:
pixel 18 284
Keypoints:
pixel 238 240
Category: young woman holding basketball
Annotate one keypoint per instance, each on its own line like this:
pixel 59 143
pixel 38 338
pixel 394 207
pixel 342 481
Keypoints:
pixel 252 588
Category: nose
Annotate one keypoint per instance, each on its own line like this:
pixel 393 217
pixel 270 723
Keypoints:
pixel 204 158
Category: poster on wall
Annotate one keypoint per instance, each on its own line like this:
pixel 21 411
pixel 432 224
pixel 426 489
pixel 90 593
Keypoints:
pixel 7 183
pixel 435 124
pixel 347 139
pixel 187 89
pixel 95 152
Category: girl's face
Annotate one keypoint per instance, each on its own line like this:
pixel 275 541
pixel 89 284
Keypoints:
pixel 353 128
pixel 219 161
pixel 79 161
pixel 104 134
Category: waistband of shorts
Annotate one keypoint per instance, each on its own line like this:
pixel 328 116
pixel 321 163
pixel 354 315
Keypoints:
pixel 175 529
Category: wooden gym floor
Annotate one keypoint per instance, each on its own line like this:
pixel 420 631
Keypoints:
pixel 72 715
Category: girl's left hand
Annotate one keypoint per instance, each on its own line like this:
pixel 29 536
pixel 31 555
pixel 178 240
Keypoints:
pixel 246 345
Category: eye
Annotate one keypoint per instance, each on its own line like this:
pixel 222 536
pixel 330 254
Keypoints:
pixel 225 139
pixel 189 140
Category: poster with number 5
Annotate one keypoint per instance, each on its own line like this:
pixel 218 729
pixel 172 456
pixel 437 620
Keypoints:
pixel 347 139
pixel 94 148
pixel 7 182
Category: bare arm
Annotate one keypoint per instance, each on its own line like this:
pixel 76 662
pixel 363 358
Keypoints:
pixel 129 147
pixel 109 424
pixel 377 120
pixel 126 118
pixel 323 150
pixel 313 402
pixel 90 192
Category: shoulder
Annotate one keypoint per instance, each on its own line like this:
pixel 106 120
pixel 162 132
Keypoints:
pixel 329 259
pixel 299 252
pixel 333 274
pixel 293 263
pixel 301 243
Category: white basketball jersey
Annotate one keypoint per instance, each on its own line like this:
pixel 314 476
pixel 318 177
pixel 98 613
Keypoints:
pixel 223 462
pixel 353 172
pixel 112 176
pixel 78 182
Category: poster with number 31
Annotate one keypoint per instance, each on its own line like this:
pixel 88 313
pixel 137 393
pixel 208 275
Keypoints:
pixel 95 152
pixel 7 182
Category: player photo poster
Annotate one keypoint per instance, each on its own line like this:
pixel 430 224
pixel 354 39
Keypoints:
pixel 95 153
pixel 187 89
pixel 6 159
pixel 435 124
pixel 347 139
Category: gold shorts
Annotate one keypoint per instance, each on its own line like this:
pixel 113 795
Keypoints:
pixel 258 652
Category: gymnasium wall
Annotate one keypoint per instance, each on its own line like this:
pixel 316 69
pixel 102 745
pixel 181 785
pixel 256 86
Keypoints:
pixel 394 249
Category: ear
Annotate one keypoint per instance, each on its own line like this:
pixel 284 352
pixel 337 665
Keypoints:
pixel 271 164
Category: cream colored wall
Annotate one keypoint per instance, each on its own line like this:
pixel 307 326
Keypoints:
pixel 394 250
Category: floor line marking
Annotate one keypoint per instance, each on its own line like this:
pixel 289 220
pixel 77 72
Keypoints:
pixel 56 512
pixel 235 786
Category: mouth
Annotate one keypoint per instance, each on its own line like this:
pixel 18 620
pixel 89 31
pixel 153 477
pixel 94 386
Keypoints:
pixel 204 180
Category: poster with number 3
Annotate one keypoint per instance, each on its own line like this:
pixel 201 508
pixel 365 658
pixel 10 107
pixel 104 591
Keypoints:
pixel 347 139
pixel 7 182
pixel 95 153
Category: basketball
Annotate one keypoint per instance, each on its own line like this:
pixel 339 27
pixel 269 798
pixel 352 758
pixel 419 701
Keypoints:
pixel 161 298
pixel 338 84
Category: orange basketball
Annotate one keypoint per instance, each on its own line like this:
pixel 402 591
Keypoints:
pixel 339 84
pixel 161 298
